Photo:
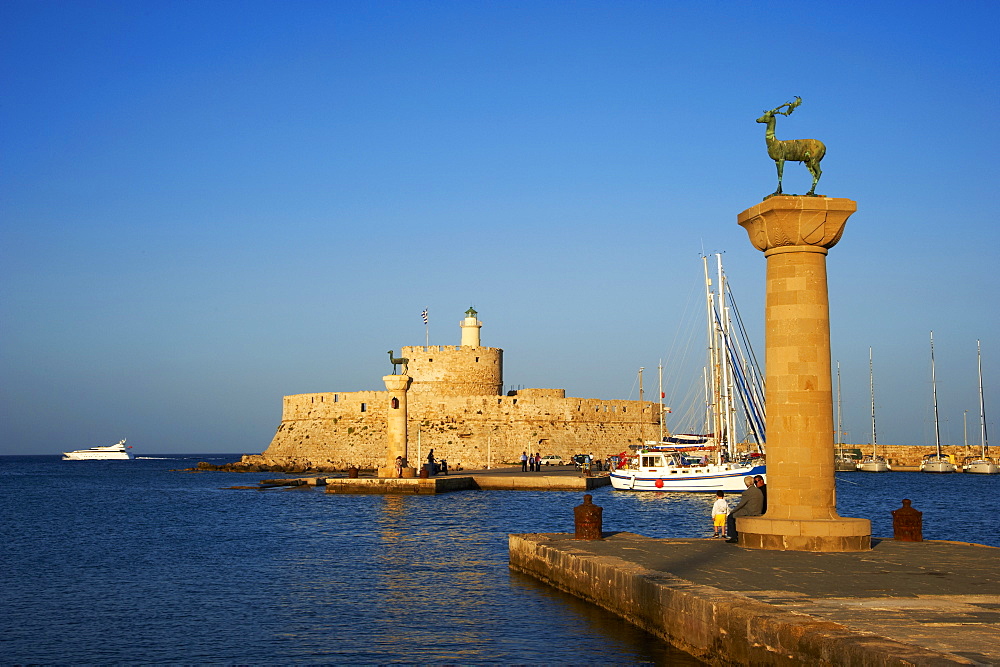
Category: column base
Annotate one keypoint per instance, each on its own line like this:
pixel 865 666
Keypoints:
pixel 390 472
pixel 759 532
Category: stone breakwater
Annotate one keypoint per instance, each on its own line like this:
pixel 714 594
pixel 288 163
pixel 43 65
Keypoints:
pixel 291 465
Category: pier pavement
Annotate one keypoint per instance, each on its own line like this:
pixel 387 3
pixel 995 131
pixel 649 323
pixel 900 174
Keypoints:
pixel 914 603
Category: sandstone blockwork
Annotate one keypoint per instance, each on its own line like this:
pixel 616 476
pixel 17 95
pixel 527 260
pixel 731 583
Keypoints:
pixel 455 406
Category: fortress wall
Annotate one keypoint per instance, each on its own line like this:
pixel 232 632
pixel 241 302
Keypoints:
pixel 318 430
pixel 449 370
pixel 473 442
pixel 332 404
pixel 335 429
pixel 549 393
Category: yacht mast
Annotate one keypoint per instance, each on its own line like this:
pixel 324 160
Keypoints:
pixel 937 430
pixel 871 384
pixel 840 445
pixel 725 361
pixel 642 425
pixel 712 406
pixel 982 405
pixel 660 368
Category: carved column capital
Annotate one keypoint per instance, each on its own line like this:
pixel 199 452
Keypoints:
pixel 396 382
pixel 789 224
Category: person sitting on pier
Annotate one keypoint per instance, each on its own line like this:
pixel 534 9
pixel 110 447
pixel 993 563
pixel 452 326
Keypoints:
pixel 758 481
pixel 751 504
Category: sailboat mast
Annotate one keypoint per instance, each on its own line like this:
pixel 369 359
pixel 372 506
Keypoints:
pixel 712 406
pixel 725 362
pixel 982 404
pixel 836 439
pixel 871 384
pixel 660 369
pixel 937 430
pixel 642 426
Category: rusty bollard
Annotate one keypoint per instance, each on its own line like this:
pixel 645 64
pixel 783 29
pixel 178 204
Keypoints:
pixel 352 473
pixel 907 523
pixel 588 519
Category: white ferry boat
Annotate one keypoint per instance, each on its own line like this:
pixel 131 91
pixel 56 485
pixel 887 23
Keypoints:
pixel 109 453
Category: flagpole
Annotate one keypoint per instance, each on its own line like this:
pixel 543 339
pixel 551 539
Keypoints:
pixel 427 329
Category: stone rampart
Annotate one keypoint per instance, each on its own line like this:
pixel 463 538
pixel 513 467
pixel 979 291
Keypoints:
pixel 338 430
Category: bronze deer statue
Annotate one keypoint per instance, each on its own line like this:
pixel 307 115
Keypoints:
pixel 808 151
pixel 396 361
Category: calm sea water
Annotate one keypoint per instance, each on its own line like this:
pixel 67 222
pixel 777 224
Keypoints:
pixel 133 562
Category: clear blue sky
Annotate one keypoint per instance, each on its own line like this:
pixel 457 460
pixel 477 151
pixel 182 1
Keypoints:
pixel 205 206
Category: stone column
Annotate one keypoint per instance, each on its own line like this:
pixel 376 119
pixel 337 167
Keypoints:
pixel 795 234
pixel 395 426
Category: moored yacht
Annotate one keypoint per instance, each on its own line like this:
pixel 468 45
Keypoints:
pixel 982 464
pixel 936 462
pixel 873 462
pixel 110 453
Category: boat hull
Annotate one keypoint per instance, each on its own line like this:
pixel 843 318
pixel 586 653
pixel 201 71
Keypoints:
pixel 938 466
pixel 96 456
pixel 705 479
pixel 982 467
pixel 874 466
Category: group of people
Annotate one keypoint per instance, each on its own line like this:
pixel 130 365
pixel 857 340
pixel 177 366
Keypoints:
pixel 531 462
pixel 753 502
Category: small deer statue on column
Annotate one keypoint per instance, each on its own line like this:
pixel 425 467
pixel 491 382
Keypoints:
pixel 808 151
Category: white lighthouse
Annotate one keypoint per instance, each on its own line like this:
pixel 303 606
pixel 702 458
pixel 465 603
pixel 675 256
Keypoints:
pixel 470 329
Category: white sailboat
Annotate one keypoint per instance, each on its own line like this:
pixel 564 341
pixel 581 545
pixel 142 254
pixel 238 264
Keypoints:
pixel 983 464
pixel 873 462
pixel 936 462
pixel 710 463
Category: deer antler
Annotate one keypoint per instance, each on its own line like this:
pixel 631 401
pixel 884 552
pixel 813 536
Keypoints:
pixel 791 107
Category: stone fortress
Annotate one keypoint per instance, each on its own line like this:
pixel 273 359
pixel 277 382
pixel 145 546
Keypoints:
pixel 454 404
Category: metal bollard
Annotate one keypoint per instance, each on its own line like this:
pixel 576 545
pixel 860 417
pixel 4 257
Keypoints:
pixel 907 523
pixel 588 518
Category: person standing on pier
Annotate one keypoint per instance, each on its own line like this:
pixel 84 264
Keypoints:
pixel 524 461
pixel 720 512
pixel 538 462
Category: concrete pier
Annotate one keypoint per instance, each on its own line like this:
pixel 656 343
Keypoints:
pixel 474 480
pixel 902 603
